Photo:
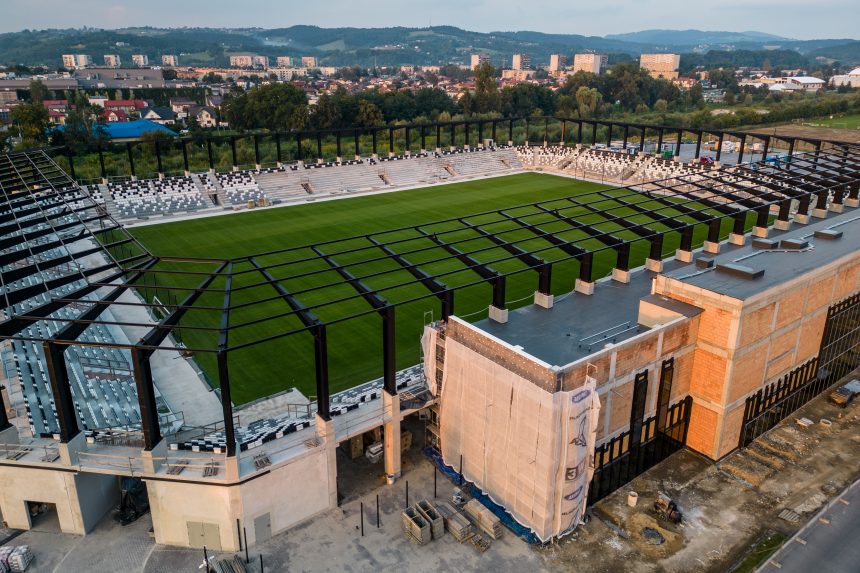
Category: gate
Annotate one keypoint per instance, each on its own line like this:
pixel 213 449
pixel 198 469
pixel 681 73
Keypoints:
pixel 647 442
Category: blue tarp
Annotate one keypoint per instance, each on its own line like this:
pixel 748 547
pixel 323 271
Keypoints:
pixel 475 492
pixel 131 129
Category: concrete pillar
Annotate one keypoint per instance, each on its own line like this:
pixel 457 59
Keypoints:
pixel 584 287
pixel 357 157
pixel 819 213
pixel 801 219
pixel 391 435
pixel 737 239
pixel 69 451
pixel 339 159
pixel 711 247
pixel 654 265
pixel 9 436
pixel 497 314
pixel 760 232
pixel 684 256
pixel 326 432
pixel 853 203
pixel 837 207
pixel 544 300
pixel 258 166
pixel 621 276
pixel 781 225
pixel 152 460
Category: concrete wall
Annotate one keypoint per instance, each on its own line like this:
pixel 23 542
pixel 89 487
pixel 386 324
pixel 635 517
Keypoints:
pixel 744 345
pixel 290 493
pixel 81 499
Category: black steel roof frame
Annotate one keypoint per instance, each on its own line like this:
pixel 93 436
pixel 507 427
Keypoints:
pixel 144 376
pixel 573 255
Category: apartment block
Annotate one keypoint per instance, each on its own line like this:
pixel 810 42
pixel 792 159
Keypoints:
pixel 661 65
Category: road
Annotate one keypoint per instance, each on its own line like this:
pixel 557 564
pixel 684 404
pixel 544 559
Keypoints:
pixel 827 544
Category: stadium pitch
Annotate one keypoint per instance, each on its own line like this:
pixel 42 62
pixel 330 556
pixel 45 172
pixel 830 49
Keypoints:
pixel 355 345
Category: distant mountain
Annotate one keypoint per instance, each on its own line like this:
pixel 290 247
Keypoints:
pixel 695 37
pixel 392 46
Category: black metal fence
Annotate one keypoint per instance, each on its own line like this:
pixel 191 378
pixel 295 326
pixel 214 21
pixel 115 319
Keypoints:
pixel 617 463
pixel 839 355
pixel 770 405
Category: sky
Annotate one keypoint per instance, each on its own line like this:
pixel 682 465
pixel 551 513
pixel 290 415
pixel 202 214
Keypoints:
pixel 800 19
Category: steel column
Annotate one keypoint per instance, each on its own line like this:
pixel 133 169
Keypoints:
pixel 389 354
pixel 321 363
pixel 130 158
pixel 67 417
pixel 233 151
pixel 146 398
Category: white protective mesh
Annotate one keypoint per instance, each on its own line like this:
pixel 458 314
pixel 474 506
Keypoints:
pixel 515 439
pixel 428 347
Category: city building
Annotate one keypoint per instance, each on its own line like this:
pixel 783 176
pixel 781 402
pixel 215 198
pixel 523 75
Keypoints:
pixel 309 61
pixel 76 61
pixel 521 62
pixel 591 63
pixel 140 60
pixel 518 75
pixel 242 61
pixel 556 62
pixel 478 59
pixel 661 65
pixel 169 61
pixel 260 61
pixel 113 61
pixel 284 61
pixel 851 79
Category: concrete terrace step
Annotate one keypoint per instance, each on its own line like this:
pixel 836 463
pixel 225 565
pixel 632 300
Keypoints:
pixel 746 469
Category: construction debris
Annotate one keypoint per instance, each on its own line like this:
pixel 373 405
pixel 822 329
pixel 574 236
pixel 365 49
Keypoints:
pixel 429 513
pixel 415 527
pixel 652 536
pixel 667 509
pixel 804 422
pixel 846 393
pixel 483 518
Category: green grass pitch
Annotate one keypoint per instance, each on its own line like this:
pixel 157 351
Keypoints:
pixel 355 346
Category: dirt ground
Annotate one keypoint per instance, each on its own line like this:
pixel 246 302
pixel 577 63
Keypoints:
pixel 825 133
pixel 727 507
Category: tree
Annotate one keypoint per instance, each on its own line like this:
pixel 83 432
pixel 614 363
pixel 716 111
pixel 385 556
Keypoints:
pixel 466 103
pixel 84 126
pixel 368 114
pixel 326 113
pixel 729 97
pixel 587 100
pixel 487 98
pixel 38 91
pixel 169 74
pixel 273 106
pixel 212 78
pixel 661 106
pixel 32 121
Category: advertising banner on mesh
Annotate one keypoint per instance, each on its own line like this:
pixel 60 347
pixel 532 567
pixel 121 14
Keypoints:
pixel 580 411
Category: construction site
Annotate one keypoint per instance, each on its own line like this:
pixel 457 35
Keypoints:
pixel 679 327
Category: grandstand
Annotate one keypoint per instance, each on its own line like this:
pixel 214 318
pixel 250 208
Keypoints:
pixel 145 346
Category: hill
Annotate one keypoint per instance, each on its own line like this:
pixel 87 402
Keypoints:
pixel 379 46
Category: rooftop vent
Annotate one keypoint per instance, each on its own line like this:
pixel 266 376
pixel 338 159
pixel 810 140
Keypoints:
pixel 828 234
pixel 740 271
pixel 759 243
pixel 705 262
pixel 793 244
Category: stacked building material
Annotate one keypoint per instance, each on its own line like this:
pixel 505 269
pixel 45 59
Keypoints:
pixel 4 558
pixel 455 522
pixel 415 527
pixel 230 565
pixel 429 513
pixel 20 558
pixel 483 518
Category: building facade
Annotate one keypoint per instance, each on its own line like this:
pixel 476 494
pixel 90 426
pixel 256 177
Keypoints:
pixel 76 61
pixel 113 61
pixel 521 62
pixel 591 63
pixel 478 59
pixel 557 63
pixel 169 60
pixel 661 65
